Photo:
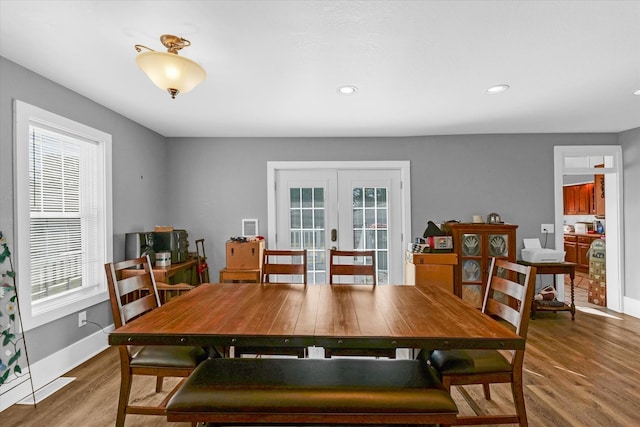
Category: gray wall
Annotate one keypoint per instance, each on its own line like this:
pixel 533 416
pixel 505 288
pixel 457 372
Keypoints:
pixel 215 182
pixel 630 142
pixel 137 203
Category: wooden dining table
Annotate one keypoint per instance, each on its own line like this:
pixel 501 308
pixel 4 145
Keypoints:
pixel 335 316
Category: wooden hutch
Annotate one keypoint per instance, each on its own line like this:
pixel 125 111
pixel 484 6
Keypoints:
pixel 475 244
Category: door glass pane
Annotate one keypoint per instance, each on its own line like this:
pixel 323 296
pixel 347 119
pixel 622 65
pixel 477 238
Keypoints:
pixel 307 219
pixel 370 213
pixel 294 197
pixel 358 218
pixel 307 197
pixel 318 197
pixel 307 228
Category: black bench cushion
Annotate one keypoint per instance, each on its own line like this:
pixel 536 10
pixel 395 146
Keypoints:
pixel 312 386
pixel 165 355
pixel 452 362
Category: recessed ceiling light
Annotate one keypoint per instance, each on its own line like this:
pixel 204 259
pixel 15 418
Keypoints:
pixel 637 92
pixel 347 90
pixel 493 90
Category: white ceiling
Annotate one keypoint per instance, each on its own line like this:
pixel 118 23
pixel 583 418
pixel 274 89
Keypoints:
pixel 274 66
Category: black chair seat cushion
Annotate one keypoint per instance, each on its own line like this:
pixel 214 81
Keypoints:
pixel 168 356
pixel 312 386
pixel 454 362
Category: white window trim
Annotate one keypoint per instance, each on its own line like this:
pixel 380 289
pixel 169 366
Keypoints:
pixel 43 312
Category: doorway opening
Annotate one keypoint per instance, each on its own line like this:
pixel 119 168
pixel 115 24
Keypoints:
pixel 573 163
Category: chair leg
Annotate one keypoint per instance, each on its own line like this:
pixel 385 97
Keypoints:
pixel 487 391
pixel 446 382
pixel 123 399
pixel 518 400
pixel 159 381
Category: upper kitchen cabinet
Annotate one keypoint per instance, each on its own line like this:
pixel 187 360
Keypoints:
pixel 579 199
pixel 598 195
pixel 569 197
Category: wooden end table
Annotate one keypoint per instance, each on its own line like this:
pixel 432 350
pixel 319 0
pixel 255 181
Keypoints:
pixel 554 268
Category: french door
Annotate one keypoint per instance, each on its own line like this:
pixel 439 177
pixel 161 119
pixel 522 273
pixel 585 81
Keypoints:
pixel 346 206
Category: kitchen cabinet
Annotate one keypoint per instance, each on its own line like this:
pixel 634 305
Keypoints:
pixel 576 247
pixel 584 243
pixel 598 196
pixel 578 199
pixel 475 244
pixel 571 248
pixel 569 199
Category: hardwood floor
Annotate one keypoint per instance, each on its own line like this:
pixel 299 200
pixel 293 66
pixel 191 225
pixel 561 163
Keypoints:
pixel 580 373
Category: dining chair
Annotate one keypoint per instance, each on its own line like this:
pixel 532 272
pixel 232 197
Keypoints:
pixel 508 297
pixel 291 264
pixel 361 267
pixel 132 296
pixel 280 264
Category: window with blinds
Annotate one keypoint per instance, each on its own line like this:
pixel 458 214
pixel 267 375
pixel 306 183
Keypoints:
pixel 63 221
pixel 64 212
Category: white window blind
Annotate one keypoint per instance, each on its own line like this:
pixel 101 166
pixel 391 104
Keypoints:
pixel 64 212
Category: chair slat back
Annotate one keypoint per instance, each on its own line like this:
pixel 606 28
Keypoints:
pixel 274 264
pixel 510 284
pixel 352 263
pixel 132 289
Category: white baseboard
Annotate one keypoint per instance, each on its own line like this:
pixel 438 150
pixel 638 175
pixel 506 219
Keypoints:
pixel 48 369
pixel 631 307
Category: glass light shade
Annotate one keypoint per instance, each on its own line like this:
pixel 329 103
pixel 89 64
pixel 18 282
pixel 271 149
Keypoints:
pixel 171 71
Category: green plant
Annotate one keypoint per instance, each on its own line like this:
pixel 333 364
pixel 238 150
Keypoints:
pixel 10 343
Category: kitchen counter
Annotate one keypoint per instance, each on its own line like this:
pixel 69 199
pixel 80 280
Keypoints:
pixel 594 235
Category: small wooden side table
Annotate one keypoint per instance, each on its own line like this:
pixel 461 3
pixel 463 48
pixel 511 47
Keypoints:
pixel 554 268
pixel 240 276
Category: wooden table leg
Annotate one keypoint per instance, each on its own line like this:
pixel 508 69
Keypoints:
pixel 572 275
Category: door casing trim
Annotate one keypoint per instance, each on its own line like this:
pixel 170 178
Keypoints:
pixel 404 166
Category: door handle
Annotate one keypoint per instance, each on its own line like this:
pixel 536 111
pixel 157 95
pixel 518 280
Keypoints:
pixel 334 235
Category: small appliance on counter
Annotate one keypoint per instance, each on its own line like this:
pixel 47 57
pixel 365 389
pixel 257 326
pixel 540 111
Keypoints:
pixel 153 242
pixel 175 242
pixel 138 245
pixel 583 227
pixel 534 252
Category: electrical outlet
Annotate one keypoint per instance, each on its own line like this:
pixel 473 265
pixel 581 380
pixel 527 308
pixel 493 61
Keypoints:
pixel 547 228
pixel 82 319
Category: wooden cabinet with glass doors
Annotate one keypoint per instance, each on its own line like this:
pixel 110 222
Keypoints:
pixel 475 245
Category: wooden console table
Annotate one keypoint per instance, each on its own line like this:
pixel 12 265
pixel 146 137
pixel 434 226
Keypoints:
pixel 246 275
pixel 554 268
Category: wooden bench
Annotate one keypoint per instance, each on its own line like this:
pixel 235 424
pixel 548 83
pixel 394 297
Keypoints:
pixel 312 391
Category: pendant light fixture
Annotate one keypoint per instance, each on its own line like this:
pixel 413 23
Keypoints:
pixel 169 71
